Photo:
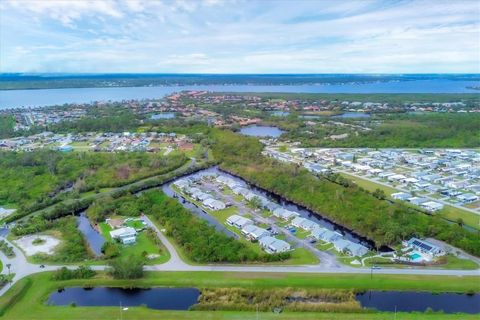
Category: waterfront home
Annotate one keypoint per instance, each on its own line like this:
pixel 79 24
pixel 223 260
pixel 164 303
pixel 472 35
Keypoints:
pixel 284 214
pixel 214 204
pixel 341 244
pixel 325 235
pixel 238 222
pixel 424 247
pixel 357 249
pixel 126 235
pixel 273 245
pixel 254 233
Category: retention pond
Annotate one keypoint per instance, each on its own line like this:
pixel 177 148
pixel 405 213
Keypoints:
pixel 420 301
pixel 155 298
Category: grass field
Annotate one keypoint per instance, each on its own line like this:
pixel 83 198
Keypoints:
pixel 142 244
pixel 31 304
pixel 448 212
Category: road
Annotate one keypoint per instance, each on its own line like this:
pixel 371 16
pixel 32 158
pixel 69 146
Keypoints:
pixel 22 268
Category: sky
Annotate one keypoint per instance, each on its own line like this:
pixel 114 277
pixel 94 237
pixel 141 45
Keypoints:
pixel 240 36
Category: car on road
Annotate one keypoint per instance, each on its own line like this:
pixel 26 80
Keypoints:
pixel 42 266
pixel 376 268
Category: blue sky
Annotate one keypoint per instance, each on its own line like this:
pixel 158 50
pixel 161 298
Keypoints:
pixel 240 36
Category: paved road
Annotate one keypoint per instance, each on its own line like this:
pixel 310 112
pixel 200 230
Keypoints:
pixel 22 268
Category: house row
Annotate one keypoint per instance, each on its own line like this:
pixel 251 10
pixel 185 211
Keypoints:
pixel 340 244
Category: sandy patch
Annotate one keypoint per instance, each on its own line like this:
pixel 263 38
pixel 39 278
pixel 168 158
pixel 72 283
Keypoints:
pixel 30 249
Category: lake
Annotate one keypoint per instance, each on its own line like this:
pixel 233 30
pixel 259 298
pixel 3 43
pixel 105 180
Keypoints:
pixel 345 115
pixel 261 131
pixel 95 240
pixel 163 115
pixel 420 301
pixel 155 298
pixel 46 97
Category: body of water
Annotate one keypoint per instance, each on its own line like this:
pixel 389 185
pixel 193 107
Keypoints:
pixel 345 115
pixel 155 298
pixel 163 115
pixel 261 131
pixel 95 240
pixel 420 301
pixel 352 115
pixel 280 113
pixel 47 97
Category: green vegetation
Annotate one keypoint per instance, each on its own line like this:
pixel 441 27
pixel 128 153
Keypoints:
pixel 73 247
pixel 337 199
pixel 286 299
pixel 6 249
pixel 7 124
pixel 199 241
pixel 127 267
pixel 82 272
pixel 32 300
pixel 36 180
pixel 390 131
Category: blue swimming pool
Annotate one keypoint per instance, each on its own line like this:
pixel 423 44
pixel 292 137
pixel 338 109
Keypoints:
pixel 415 256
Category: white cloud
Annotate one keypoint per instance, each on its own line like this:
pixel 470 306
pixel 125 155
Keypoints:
pixel 239 36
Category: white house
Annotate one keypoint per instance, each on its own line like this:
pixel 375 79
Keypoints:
pixel 285 214
pixel 426 248
pixel 125 235
pixel 432 206
pixel 238 221
pixel 214 204
pixel 273 245
pixel 254 233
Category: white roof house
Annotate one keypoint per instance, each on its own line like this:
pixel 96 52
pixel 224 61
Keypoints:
pixel 424 247
pixel 125 235
pixel 214 204
pixel 401 196
pixel 357 249
pixel 254 233
pixel 285 214
pixel 273 245
pixel 308 225
pixel 341 244
pixel 432 206
pixel 238 221
pixel 326 235
pixel 297 221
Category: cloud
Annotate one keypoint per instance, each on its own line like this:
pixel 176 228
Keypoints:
pixel 239 36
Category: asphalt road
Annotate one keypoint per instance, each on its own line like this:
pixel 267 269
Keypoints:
pixel 22 268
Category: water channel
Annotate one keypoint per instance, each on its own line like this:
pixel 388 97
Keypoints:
pixel 155 298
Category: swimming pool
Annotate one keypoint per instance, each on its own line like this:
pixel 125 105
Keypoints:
pixel 415 256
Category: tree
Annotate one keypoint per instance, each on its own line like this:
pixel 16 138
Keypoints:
pixel 128 267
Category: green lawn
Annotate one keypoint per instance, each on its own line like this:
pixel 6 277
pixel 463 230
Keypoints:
pixel 449 212
pixel 143 244
pixel 470 219
pixel 31 304
pixel 369 185
pixel 452 263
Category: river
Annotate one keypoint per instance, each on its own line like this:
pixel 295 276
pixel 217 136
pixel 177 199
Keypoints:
pixel 47 97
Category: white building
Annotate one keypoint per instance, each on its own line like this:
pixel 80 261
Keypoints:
pixel 214 204
pixel 273 245
pixel 238 221
pixel 126 235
